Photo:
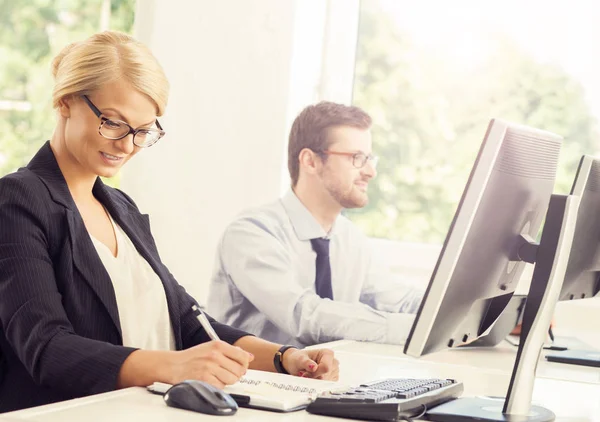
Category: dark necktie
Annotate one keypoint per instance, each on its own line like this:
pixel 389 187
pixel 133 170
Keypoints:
pixel 323 273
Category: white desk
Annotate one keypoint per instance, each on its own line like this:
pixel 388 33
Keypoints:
pixel 578 319
pixel 571 401
pixel 499 359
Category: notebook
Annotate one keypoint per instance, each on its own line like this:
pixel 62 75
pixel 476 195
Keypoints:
pixel 576 357
pixel 270 391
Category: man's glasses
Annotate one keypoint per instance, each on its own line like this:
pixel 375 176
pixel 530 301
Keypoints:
pixel 117 129
pixel 359 159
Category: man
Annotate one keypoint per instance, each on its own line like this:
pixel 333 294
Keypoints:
pixel 296 271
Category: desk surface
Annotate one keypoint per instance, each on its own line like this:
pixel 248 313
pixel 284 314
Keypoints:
pixel 500 358
pixel 572 392
pixel 574 319
pixel 571 401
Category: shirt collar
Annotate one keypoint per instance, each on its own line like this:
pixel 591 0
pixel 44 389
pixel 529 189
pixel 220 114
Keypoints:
pixel 304 223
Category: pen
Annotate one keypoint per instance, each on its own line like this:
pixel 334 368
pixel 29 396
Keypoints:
pixel 205 323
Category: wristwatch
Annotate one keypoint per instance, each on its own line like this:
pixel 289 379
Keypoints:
pixel 277 359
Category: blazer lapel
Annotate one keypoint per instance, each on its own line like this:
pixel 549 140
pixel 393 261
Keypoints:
pixel 89 264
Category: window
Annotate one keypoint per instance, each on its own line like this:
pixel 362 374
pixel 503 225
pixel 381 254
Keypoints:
pixel 432 74
pixel 31 34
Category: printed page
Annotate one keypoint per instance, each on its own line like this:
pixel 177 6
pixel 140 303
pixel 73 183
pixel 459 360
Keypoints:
pixel 279 391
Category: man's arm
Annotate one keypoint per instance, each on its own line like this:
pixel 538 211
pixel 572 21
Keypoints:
pixel 391 294
pixel 261 267
pixel 385 291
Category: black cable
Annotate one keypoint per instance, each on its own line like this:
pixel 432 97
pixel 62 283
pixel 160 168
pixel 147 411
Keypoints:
pixel 411 418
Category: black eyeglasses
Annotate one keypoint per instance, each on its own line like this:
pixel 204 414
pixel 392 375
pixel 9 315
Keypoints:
pixel 359 159
pixel 114 129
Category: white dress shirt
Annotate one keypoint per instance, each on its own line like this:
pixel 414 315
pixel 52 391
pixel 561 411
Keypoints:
pixel 141 299
pixel 264 281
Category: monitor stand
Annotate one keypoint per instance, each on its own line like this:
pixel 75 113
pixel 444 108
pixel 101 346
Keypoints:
pixel 551 258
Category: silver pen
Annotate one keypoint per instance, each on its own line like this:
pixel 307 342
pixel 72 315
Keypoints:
pixel 205 323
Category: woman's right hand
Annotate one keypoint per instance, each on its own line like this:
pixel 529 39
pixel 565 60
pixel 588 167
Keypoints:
pixel 215 362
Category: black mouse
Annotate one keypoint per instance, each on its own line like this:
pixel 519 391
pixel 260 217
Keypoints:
pixel 200 397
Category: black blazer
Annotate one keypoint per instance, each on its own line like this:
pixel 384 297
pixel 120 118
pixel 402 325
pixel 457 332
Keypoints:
pixel 60 335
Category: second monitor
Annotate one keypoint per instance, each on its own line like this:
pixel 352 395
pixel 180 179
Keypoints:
pixel 582 278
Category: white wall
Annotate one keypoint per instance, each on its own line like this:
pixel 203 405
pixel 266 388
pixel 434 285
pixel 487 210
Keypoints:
pixel 239 72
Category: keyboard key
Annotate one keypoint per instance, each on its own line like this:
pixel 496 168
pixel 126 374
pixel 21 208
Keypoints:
pixel 351 400
pixel 407 395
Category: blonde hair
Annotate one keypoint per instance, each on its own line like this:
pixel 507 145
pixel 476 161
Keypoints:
pixel 85 66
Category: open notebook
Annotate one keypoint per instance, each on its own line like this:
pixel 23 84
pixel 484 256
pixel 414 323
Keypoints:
pixel 270 391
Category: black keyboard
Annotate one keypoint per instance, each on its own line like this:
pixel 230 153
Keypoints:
pixel 387 400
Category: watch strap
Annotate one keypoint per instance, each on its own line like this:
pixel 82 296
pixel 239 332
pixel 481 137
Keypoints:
pixel 278 359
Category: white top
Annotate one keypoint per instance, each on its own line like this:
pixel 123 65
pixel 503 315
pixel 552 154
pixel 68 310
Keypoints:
pixel 264 281
pixel 141 299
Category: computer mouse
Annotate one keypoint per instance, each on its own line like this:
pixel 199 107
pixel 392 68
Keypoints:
pixel 200 397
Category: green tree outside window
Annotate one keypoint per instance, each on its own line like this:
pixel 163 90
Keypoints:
pixel 429 122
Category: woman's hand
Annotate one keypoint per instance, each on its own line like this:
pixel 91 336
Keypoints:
pixel 317 363
pixel 215 362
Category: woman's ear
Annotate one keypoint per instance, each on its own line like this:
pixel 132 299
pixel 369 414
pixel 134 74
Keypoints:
pixel 64 107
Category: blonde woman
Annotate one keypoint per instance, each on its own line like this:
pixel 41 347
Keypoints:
pixel 86 305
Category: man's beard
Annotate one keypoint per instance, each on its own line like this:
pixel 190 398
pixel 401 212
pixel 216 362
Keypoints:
pixel 352 198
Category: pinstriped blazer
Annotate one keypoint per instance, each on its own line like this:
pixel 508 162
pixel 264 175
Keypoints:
pixel 60 335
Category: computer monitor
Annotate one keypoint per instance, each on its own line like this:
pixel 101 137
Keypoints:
pixel 506 199
pixel 582 277
pixel 506 195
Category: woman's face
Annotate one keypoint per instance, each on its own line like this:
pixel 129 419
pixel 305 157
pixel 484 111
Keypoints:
pixel 86 148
